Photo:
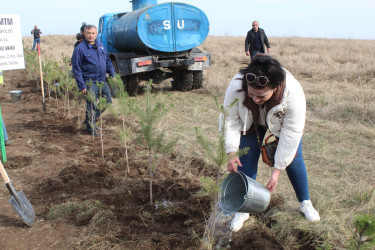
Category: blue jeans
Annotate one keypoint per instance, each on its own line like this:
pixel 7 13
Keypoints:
pixel 36 41
pixel 92 111
pixel 296 170
pixel 4 131
pixel 253 53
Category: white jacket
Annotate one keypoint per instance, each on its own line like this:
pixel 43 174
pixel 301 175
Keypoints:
pixel 286 120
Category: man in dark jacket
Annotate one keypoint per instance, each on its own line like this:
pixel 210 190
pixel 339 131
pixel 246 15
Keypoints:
pixel 255 40
pixel 91 63
pixel 36 32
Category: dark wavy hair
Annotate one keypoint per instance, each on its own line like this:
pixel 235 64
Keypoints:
pixel 263 65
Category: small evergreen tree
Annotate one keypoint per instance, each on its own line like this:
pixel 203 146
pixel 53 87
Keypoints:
pixel 50 72
pixel 32 65
pixel 78 98
pixel 123 110
pixel 101 105
pixel 67 84
pixel 153 139
pixel 90 96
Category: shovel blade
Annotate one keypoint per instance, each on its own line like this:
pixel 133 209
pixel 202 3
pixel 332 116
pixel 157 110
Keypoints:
pixel 23 207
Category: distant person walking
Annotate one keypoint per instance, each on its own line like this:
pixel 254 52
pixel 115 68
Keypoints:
pixel 255 40
pixel 91 62
pixel 36 32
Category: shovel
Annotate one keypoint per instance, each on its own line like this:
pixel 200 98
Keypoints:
pixel 19 201
pixel 41 80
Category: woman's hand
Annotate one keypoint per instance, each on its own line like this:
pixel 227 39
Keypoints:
pixel 271 185
pixel 233 162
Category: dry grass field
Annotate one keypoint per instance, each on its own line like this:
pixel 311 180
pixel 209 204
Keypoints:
pixel 338 77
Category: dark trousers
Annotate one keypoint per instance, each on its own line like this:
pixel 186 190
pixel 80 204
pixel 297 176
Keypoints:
pixel 296 170
pixel 92 110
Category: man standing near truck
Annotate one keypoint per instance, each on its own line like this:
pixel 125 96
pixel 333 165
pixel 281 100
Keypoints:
pixel 255 40
pixel 91 63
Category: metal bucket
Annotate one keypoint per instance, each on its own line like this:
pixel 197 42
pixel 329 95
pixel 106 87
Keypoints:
pixel 15 95
pixel 240 193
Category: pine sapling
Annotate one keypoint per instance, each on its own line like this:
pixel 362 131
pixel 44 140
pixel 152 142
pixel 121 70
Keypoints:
pixel 123 110
pixel 90 96
pixel 102 105
pixel 67 84
pixel 31 61
pixel 149 116
pixel 50 72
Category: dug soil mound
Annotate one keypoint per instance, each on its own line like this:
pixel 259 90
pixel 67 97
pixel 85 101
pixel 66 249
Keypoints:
pixel 84 200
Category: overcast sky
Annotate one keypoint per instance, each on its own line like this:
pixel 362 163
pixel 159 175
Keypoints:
pixel 304 18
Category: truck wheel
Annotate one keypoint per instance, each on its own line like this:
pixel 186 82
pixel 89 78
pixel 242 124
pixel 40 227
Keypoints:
pixel 197 79
pixel 130 84
pixel 174 84
pixel 115 67
pixel 183 80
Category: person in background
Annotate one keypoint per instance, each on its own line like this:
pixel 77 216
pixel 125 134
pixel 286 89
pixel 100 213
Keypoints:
pixel 6 139
pixel 79 38
pixel 269 97
pixel 36 32
pixel 255 40
pixel 91 62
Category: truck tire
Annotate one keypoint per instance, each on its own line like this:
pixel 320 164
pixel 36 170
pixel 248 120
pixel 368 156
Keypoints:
pixel 115 67
pixel 130 84
pixel 197 79
pixel 183 80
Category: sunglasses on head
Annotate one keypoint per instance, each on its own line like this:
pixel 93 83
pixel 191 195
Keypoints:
pixel 262 80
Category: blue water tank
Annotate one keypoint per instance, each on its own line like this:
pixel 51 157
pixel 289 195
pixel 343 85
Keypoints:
pixel 168 27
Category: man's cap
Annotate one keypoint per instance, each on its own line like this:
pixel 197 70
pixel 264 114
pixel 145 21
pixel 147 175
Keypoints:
pixel 79 36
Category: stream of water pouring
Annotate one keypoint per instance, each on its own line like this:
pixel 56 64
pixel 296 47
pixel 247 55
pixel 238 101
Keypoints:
pixel 218 234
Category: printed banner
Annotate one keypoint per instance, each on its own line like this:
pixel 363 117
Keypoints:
pixel 11 48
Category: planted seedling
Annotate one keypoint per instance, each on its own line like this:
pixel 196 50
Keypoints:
pixel 149 115
pixel 123 111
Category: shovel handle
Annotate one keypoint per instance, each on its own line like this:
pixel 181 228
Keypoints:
pixel 4 173
pixel 41 73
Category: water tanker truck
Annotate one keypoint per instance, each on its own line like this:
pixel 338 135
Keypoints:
pixel 157 41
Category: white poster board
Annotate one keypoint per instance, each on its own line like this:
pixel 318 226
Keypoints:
pixel 11 48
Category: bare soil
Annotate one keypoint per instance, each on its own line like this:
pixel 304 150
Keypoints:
pixel 84 200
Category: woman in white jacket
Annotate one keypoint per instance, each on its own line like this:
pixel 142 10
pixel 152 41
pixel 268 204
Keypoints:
pixel 269 97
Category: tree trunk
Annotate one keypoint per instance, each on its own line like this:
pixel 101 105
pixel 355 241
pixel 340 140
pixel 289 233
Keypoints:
pixel 151 173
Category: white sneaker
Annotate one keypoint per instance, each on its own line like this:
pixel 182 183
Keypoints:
pixel 309 211
pixel 238 220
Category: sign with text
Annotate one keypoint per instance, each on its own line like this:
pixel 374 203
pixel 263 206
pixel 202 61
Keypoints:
pixel 11 48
